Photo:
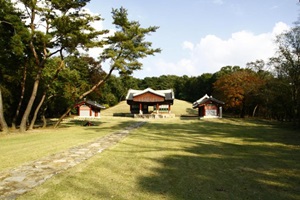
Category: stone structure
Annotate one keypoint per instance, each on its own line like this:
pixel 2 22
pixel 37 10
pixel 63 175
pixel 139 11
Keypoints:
pixel 208 107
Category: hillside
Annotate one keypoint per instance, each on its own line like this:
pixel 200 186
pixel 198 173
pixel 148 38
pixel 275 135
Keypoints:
pixel 179 108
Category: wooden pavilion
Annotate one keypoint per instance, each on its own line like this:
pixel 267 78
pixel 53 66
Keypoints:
pixel 208 107
pixel 141 101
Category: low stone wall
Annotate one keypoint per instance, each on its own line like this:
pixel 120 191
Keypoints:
pixel 86 118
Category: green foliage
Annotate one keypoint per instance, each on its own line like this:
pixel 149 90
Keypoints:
pixel 128 44
pixel 14 56
pixel 277 105
pixel 66 5
pixel 226 70
pixel 287 67
pixel 77 76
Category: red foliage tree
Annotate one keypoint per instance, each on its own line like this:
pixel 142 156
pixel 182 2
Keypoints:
pixel 238 89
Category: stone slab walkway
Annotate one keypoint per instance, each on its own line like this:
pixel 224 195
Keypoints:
pixel 17 181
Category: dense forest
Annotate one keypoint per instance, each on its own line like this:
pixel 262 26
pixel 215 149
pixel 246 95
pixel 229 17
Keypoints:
pixel 45 71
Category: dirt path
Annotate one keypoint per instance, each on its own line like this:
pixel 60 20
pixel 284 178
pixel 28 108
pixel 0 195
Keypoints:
pixel 17 181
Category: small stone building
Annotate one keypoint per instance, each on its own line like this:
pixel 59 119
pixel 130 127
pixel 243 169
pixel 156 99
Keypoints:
pixel 209 107
pixel 89 109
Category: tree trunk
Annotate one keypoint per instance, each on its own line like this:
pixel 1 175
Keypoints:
pixel 36 112
pixel 30 103
pixel 254 110
pixel 63 116
pixel 2 119
pixel 44 121
pixel 14 121
pixel 44 95
pixel 44 111
pixel 40 63
pixel 295 106
pixel 242 114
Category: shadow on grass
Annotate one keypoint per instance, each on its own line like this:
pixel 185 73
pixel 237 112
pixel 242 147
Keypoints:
pixel 192 111
pixel 98 125
pixel 76 122
pixel 189 117
pixel 226 161
pixel 186 159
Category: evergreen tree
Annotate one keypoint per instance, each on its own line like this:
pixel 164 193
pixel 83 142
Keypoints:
pixel 56 27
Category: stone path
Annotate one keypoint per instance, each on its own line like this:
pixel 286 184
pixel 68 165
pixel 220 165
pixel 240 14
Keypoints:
pixel 17 181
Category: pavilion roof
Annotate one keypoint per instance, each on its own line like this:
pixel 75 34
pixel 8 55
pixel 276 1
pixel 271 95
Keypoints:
pixel 205 99
pixel 90 102
pixel 167 94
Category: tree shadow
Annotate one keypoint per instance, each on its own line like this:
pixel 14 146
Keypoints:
pixel 212 160
pixel 99 128
pixel 226 161
pixel 192 111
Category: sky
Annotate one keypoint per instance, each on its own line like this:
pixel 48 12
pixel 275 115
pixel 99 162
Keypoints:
pixel 202 36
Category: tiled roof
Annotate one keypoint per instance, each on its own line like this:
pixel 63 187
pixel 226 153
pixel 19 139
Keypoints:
pixel 204 99
pixel 94 103
pixel 167 94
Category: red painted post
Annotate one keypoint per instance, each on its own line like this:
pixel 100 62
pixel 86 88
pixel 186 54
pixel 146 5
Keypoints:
pixel 141 111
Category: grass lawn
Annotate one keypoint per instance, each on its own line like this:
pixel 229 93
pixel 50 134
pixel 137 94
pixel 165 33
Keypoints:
pixel 19 148
pixel 187 159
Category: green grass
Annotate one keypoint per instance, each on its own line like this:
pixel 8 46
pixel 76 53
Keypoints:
pixel 19 148
pixel 188 159
pixel 121 107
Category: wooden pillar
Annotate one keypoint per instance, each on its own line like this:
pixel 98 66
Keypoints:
pixel 141 108
pixel 90 111
pixel 157 108
pixel 169 108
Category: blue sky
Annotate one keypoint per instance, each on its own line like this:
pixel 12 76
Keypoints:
pixel 201 36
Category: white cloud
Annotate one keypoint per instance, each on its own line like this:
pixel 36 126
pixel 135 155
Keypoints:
pixel 212 52
pixel 188 45
pixel 280 27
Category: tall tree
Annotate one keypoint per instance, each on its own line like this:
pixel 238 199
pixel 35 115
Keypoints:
pixel 287 65
pixel 238 88
pixel 66 26
pixel 3 124
pixel 13 50
pixel 263 98
pixel 124 50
